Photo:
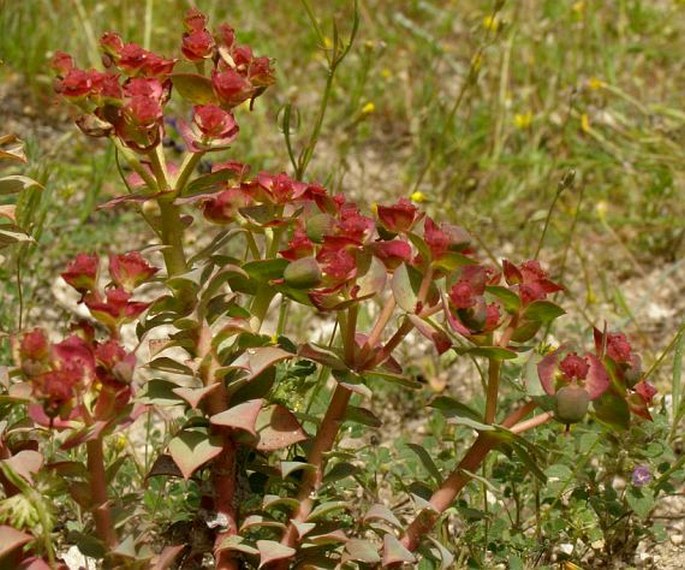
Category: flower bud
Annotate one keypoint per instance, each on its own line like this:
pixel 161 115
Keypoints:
pixel 571 404
pixel 302 273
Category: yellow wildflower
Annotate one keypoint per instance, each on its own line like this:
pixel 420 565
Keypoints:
pixel 523 120
pixel 585 123
pixel 491 23
pixel 418 197
pixel 368 108
pixel 595 84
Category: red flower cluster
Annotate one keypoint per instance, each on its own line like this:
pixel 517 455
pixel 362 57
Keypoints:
pixel 76 376
pixel 128 99
pixel 115 307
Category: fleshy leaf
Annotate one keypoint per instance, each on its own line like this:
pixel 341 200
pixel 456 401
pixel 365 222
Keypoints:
pixel 543 311
pixel 25 464
pixel 394 552
pixel 270 551
pixel 195 395
pixel 426 461
pixel 362 551
pixel 451 407
pixel 16 183
pixel 405 289
pixel 195 88
pixel 11 538
pixel 278 428
pixel 381 512
pixel 597 381
pixel 191 449
pixel 243 416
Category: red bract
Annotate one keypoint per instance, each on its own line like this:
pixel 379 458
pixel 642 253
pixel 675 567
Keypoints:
pixel 129 270
pixel 586 371
pixel 81 273
pixel 352 225
pixel 398 218
pixel 532 281
pixel 34 346
pixel 214 122
pixel 143 111
pixel 131 58
pixel 231 88
pixel 338 263
pixel 392 253
pixel 194 20
pixel 112 45
pixel 224 206
pixel 198 45
pixel 76 83
pixel 280 188
pixel 226 35
pixel 116 309
pixel 62 63
pixel 444 238
pixel 115 365
pixel 299 245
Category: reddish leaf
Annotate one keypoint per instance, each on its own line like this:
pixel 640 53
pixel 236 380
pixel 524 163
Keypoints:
pixel 270 551
pixel 256 360
pixel 164 465
pixel 25 463
pixel 194 395
pixel 11 538
pixel 436 336
pixel 597 381
pixel 191 449
pixel 361 551
pixel 278 428
pixel 404 289
pixel 394 552
pixel 243 416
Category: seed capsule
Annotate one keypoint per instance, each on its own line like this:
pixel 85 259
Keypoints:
pixel 303 273
pixel 572 404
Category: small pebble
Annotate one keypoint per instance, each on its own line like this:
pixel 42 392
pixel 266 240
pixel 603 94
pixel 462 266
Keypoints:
pixel 677 539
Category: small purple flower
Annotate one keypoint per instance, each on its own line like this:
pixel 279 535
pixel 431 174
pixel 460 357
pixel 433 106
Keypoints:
pixel 641 476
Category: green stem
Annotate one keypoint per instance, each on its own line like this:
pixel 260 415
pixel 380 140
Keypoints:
pixel 187 168
pixel 172 236
pixel 494 371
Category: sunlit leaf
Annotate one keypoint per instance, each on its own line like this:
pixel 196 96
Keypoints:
pixel 193 448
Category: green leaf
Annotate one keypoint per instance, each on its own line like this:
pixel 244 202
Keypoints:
pixel 362 416
pixel 325 356
pixel 289 467
pixel 543 311
pixel 405 381
pixel 427 462
pixel 194 88
pixel 160 392
pixel 326 508
pixel 16 183
pixel 450 407
pixel 208 183
pixel 235 542
pixel 612 410
pixel 192 448
pixel 405 288
pixel 451 260
pixel 340 470
pixel 641 500
pixel 510 300
pixel 490 352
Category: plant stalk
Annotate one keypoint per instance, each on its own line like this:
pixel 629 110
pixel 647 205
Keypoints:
pixel 311 482
pixel 98 489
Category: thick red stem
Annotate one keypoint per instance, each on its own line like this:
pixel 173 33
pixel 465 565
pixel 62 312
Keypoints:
pixel 98 489
pixel 311 482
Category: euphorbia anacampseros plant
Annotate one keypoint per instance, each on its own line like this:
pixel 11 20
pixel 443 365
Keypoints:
pixel 276 242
